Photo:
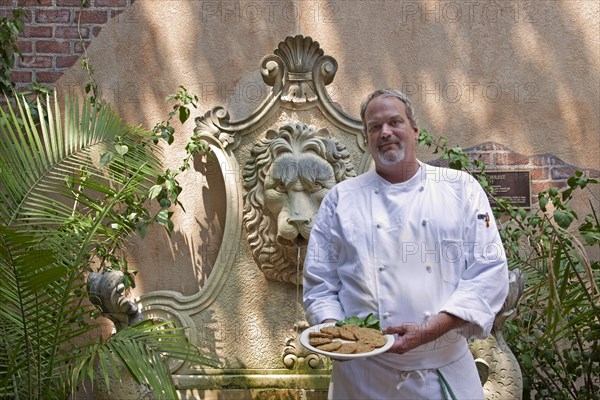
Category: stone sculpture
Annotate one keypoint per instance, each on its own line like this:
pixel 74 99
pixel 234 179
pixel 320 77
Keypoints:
pixel 286 177
pixel 106 291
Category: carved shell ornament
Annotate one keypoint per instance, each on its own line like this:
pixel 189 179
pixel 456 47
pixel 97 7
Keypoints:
pixel 286 177
pixel 295 66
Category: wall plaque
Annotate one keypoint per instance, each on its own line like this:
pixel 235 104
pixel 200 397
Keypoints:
pixel 514 186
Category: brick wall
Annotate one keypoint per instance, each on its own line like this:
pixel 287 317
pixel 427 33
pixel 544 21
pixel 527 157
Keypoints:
pixel 51 42
pixel 546 170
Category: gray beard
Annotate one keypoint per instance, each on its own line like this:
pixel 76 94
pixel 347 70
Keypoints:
pixel 391 157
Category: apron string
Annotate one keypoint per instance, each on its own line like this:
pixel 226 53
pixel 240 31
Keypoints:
pixel 445 387
pixel 406 374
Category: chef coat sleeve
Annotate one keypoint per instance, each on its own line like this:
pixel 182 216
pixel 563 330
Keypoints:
pixel 324 253
pixel 483 285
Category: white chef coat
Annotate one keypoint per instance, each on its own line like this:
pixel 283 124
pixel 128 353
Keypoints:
pixel 406 252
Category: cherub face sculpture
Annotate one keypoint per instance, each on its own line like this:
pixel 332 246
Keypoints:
pixel 286 178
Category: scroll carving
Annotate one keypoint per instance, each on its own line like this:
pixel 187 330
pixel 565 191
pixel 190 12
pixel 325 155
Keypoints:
pixel 295 355
pixel 498 368
pixel 286 177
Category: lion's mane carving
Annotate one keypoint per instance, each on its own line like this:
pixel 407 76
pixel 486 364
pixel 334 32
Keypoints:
pixel 286 176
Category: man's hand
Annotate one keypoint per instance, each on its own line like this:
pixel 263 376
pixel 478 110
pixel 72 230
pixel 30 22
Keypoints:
pixel 411 335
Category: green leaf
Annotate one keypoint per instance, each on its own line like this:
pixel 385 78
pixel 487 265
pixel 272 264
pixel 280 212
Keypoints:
pixel 368 322
pixel 563 219
pixel 543 202
pixel 163 216
pixel 165 203
pixel 154 191
pixel 121 149
pixel 349 321
pixel 106 158
pixel 184 114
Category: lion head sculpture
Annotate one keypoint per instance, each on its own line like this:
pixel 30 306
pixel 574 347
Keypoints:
pixel 286 177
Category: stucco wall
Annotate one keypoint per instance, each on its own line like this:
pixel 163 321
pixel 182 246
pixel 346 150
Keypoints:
pixel 523 74
pixel 520 73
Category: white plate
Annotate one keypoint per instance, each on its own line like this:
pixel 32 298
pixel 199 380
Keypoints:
pixel 338 356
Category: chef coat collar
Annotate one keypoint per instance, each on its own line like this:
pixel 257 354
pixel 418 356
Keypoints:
pixel 416 181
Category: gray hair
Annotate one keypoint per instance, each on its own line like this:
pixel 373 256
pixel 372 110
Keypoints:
pixel 410 113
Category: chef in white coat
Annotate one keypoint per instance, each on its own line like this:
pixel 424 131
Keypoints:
pixel 419 248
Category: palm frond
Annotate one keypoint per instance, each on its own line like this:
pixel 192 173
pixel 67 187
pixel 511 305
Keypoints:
pixel 147 340
pixel 47 167
pixel 65 187
pixel 36 310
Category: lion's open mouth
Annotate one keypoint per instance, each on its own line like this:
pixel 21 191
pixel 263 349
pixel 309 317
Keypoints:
pixel 294 250
pixel 300 241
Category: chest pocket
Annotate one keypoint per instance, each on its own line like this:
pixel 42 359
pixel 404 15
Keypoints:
pixel 452 261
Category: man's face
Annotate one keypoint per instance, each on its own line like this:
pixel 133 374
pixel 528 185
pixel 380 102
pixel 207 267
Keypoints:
pixel 390 136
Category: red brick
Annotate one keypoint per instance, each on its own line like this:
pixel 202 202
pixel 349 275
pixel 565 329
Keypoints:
pixel 71 32
pixel 65 61
pixel 483 157
pixel 34 3
pixel 35 62
pixel 28 16
pixel 115 12
pixel 511 159
pixel 52 16
pixel 92 17
pixel 540 174
pixel 37 32
pixel 7 12
pixel 78 49
pixel 52 46
pixel 111 3
pixel 68 3
pixel 493 158
pixel 25 46
pixel 546 159
pixel 537 187
pixel 96 30
pixel 21 77
pixel 7 3
pixel 47 76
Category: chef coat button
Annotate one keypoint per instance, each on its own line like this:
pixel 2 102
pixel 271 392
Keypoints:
pixel 427 314
pixel 422 188
pixel 425 222
pixel 376 191
pixel 382 267
pixel 428 268
pixel 378 226
pixel 386 315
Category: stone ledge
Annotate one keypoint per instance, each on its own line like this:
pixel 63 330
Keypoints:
pixel 254 379
pixel 253 394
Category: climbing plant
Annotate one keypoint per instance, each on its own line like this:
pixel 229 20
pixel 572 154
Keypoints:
pixel 555 333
